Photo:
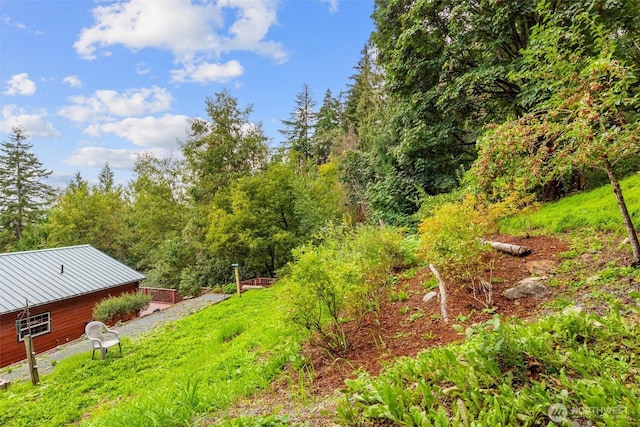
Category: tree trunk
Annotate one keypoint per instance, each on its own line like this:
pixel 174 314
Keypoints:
pixel 626 218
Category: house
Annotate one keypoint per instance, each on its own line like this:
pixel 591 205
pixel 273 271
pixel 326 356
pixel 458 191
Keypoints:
pixel 61 287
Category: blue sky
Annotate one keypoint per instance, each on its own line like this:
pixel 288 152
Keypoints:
pixel 98 81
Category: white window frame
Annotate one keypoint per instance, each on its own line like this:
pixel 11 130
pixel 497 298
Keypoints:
pixel 39 324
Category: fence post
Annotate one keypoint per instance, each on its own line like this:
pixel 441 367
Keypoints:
pixel 237 274
pixel 31 359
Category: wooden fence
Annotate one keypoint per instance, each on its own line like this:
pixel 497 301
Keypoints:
pixel 258 281
pixel 165 295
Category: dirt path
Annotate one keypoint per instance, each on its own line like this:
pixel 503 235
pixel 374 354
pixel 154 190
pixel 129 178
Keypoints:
pixel 47 360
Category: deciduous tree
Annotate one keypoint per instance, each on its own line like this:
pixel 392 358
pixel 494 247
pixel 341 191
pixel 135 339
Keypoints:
pixel 92 214
pixel 589 121
pixel 223 147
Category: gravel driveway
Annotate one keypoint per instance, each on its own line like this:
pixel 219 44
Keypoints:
pixel 133 328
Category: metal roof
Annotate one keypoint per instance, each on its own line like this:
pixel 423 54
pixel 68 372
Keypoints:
pixel 50 275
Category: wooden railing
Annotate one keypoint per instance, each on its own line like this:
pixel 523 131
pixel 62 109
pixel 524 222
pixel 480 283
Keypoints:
pixel 169 296
pixel 258 281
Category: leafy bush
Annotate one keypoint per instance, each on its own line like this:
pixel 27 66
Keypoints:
pixel 451 238
pixel 340 279
pixel 127 303
pixel 230 288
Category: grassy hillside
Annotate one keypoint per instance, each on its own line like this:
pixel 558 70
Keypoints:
pixel 595 209
pixel 170 376
pixel 580 365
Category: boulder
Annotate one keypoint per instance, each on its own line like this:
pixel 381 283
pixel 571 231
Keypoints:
pixel 529 287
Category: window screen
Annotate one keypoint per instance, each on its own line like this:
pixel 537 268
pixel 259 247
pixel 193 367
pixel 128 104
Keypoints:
pixel 35 325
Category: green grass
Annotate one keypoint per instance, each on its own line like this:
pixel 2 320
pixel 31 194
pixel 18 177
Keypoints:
pixel 596 209
pixel 170 376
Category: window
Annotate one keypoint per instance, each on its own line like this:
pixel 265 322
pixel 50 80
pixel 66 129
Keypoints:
pixel 36 325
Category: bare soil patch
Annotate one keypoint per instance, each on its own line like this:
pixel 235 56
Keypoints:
pixel 404 328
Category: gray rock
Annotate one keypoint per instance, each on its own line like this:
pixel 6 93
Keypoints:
pixel 529 287
pixel 428 297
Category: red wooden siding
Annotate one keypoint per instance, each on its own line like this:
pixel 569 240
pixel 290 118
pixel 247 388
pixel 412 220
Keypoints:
pixel 68 318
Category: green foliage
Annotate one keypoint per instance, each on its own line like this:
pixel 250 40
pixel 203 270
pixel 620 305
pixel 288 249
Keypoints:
pixel 127 303
pixel 169 260
pixel 508 374
pixel 341 278
pixel 260 219
pixel 23 194
pixel 268 421
pixel 91 214
pixel 451 239
pixel 175 375
pixel 223 148
pixel 398 296
pixel 300 128
pixel 584 123
pixel 230 330
pixel 158 210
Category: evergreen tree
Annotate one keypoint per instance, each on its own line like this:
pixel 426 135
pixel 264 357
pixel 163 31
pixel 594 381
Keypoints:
pixel 300 127
pixel 105 178
pixel 328 127
pixel 23 194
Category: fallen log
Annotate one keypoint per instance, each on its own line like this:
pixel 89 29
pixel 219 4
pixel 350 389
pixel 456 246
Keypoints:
pixel 508 248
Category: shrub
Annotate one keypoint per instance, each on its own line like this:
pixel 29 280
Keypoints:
pixel 341 279
pixel 127 303
pixel 450 239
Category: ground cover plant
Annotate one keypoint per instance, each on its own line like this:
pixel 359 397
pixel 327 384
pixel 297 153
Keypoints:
pixel 574 367
pixel 167 377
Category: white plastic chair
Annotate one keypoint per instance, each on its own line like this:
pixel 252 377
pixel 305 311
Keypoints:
pixel 101 338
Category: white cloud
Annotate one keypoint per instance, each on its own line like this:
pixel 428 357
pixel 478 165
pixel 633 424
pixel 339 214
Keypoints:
pixel 142 68
pixel 333 5
pixel 73 81
pixel 193 31
pixel 119 158
pixel 20 84
pixel 34 122
pixel 106 104
pixel 205 73
pixel 153 132
pixel 19 25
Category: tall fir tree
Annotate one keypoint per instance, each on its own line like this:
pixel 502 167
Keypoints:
pixel 23 194
pixel 300 127
pixel 328 128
